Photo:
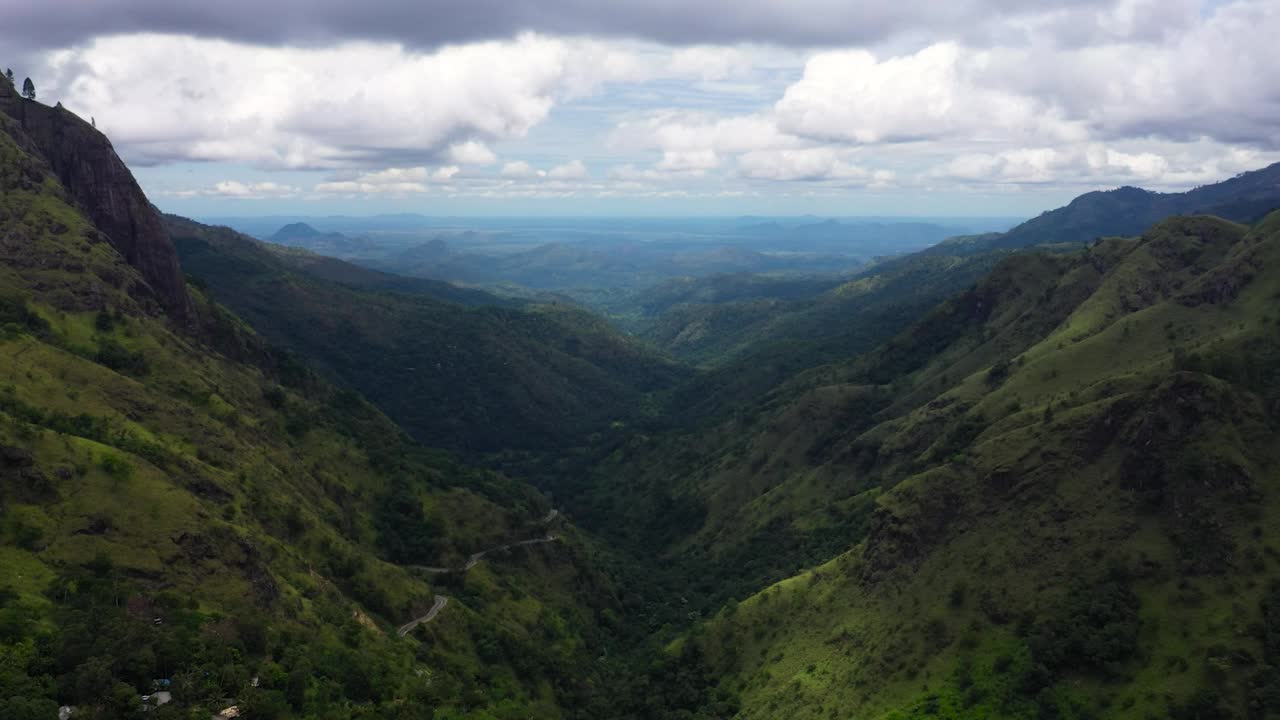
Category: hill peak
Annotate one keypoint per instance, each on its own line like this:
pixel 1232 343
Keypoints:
pixel 99 183
pixel 1128 210
pixel 295 231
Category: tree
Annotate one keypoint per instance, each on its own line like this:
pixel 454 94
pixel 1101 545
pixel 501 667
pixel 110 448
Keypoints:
pixel 8 74
pixel 28 89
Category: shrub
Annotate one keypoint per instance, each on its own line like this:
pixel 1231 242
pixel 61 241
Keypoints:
pixel 1094 628
pixel 119 358
pixel 115 466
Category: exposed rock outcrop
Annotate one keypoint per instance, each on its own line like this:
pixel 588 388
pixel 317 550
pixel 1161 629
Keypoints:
pixel 97 180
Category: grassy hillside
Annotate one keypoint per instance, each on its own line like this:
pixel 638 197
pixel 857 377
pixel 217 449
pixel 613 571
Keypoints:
pixel 198 508
pixel 473 379
pixel 1055 496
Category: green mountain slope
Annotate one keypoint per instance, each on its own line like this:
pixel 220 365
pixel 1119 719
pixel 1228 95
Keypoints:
pixel 732 321
pixel 711 321
pixel 1054 496
pixel 327 268
pixel 752 346
pixel 179 502
pixel 473 379
pixel 1129 210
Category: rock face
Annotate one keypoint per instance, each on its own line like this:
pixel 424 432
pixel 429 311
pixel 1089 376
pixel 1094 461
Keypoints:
pixel 103 187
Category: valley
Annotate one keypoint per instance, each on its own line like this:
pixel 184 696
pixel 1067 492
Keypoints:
pixel 741 467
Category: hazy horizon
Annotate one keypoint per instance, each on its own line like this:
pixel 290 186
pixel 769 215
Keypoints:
pixel 642 109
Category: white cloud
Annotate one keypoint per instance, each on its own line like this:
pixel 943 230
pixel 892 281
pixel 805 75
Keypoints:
pixel 852 96
pixel 1160 93
pixel 260 190
pixel 395 176
pixel 821 163
pixel 356 104
pixel 681 131
pixel 355 187
pixel 391 181
pixel 689 160
pixel 519 169
pixel 165 98
pixel 710 62
pixel 471 152
pixel 1150 164
pixel 1155 94
pixel 234 188
pixel 572 170
pixel 1211 78
pixel 445 173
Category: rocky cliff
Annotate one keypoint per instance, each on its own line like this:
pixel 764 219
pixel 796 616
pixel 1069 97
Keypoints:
pixel 103 187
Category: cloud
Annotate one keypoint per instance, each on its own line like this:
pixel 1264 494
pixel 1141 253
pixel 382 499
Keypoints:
pixel 1156 165
pixel 822 163
pixel 572 170
pixel 238 190
pixel 852 96
pixel 685 131
pixel 471 152
pixel 519 169
pixel 1211 79
pixel 689 160
pixel 1156 96
pixel 436 23
pixel 391 181
pixel 166 98
pixel 710 63
pixel 410 98
pixel 445 174
pixel 232 188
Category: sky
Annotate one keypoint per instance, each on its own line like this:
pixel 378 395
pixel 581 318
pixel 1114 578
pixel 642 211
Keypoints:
pixel 658 107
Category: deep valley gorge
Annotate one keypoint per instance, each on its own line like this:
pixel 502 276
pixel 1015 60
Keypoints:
pixel 406 465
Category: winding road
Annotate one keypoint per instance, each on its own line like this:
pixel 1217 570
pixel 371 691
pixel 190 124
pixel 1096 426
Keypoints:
pixel 408 627
pixel 442 600
pixel 477 557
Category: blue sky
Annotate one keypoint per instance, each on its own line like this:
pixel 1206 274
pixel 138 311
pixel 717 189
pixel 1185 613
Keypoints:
pixel 564 107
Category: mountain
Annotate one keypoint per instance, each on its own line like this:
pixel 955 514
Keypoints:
pixel 1054 495
pixel 325 267
pixel 333 244
pixel 477 378
pixel 721 320
pixel 985 481
pixel 185 509
pixel 83 161
pixel 737 330
pixel 867 238
pixel 1126 211
pixel 297 231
